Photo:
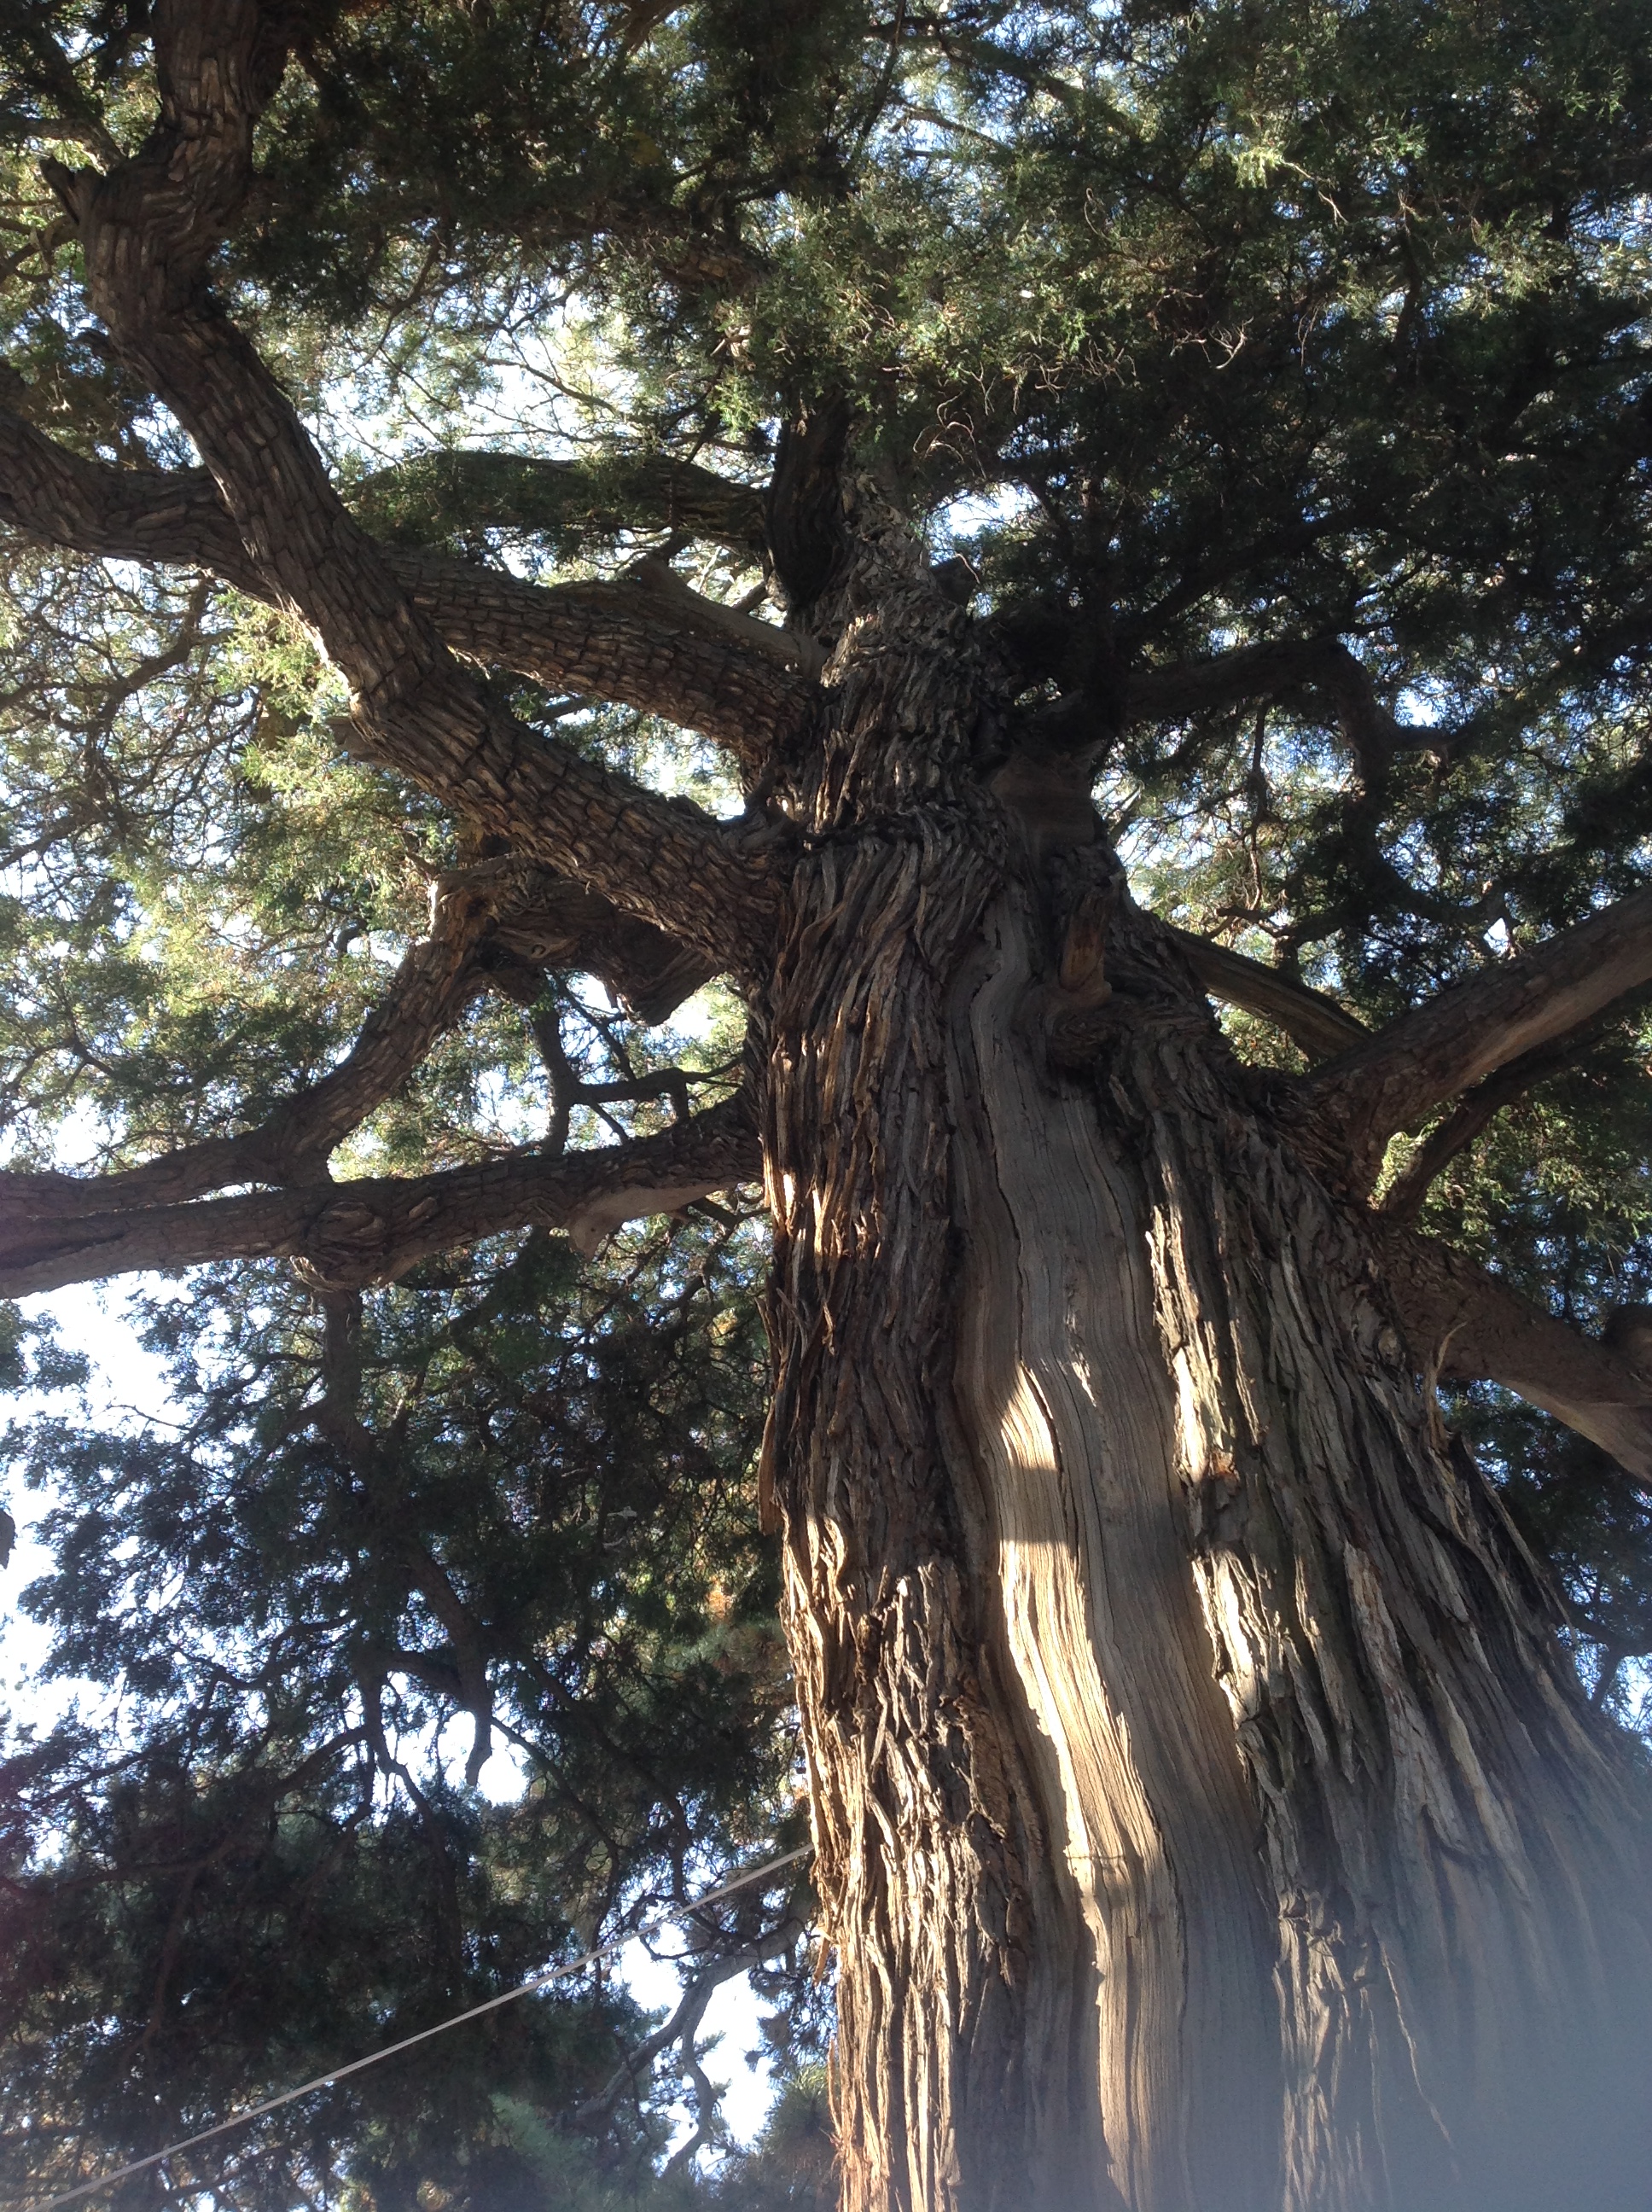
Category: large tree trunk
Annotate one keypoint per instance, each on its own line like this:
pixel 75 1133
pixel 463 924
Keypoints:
pixel 1208 1820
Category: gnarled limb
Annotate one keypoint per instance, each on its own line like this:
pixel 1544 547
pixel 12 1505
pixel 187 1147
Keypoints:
pixel 1430 1054
pixel 373 1229
pixel 663 648
pixel 438 494
pixel 647 640
pixel 560 925
pixel 1269 670
pixel 147 229
pixel 1462 1322
pixel 1317 1024
pixel 171 517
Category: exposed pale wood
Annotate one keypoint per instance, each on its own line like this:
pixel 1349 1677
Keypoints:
pixel 1107 1482
pixel 1022 1849
pixel 1065 1387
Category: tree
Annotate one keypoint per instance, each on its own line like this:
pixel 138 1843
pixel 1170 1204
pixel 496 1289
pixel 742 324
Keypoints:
pixel 1200 459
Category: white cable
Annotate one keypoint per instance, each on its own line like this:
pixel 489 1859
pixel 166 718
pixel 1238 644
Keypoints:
pixel 355 2066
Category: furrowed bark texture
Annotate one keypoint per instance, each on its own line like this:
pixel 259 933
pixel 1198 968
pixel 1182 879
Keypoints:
pixel 1207 1819
pixel 1463 1953
pixel 374 1228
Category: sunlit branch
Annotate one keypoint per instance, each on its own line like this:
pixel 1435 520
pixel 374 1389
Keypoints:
pixel 147 230
pixel 645 641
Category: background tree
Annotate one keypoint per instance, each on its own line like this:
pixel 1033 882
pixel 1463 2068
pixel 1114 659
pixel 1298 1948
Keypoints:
pixel 1199 460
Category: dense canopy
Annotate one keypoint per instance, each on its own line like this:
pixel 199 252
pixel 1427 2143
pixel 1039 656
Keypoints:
pixel 423 438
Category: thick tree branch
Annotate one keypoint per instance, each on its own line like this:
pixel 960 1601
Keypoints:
pixel 639 640
pixel 1047 641
pixel 171 517
pixel 438 495
pixel 1317 1024
pixel 480 917
pixel 560 926
pixel 344 1235
pixel 1473 1112
pixel 147 230
pixel 1271 671
pixel 647 640
pixel 1398 1077
pixel 1465 1324
pixel 435 982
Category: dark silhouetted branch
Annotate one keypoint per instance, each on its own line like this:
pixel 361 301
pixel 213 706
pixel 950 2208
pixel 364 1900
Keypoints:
pixel 1317 1024
pixel 436 495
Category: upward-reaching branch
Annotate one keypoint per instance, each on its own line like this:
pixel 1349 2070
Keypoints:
pixel 1404 1072
pixel 483 918
pixel 437 980
pixel 147 229
pixel 659 646
pixel 1317 1024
